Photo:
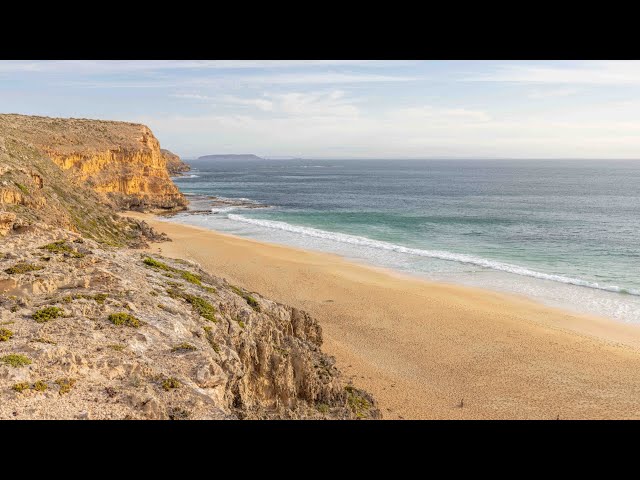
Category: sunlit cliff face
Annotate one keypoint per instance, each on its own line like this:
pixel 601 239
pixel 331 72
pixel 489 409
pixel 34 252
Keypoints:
pixel 118 159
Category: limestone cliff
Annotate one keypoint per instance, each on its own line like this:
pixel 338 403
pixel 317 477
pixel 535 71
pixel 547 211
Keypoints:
pixel 175 165
pixel 35 192
pixel 121 161
pixel 89 329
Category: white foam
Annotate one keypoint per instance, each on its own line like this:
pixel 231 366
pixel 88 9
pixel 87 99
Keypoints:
pixel 223 209
pixel 442 255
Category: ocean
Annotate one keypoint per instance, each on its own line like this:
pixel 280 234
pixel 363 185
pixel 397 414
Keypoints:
pixel 566 233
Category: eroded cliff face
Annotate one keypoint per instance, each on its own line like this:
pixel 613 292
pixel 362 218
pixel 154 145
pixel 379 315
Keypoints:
pixel 92 330
pixel 122 161
pixel 175 165
pixel 35 191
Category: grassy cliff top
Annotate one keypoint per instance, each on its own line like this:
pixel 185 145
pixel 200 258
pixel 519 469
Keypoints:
pixel 72 135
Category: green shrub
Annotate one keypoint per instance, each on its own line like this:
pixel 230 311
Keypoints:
pixel 65 384
pixel 5 334
pixel 186 275
pixel 22 188
pixel 47 314
pixel 357 403
pixel 127 319
pixel 252 302
pixel 61 246
pixel 152 262
pixel 199 304
pixel 190 277
pixel 23 267
pixel 20 387
pixel 170 383
pixel 40 386
pixel 15 360
pixel 183 347
pixel 100 298
pixel 118 347
pixel 202 307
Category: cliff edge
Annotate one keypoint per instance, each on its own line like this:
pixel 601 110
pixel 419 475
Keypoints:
pixel 119 160
pixel 90 329
pixel 175 165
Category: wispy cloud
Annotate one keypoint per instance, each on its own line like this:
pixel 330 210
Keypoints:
pixel 440 114
pixel 589 72
pixel 131 66
pixel 225 80
pixel 552 92
pixel 192 96
pixel 312 104
pixel 328 77
pixel 260 103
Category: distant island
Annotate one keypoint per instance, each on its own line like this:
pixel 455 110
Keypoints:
pixel 241 156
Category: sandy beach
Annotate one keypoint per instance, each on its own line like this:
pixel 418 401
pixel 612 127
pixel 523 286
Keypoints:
pixel 435 351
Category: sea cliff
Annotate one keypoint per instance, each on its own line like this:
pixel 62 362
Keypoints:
pixel 175 165
pixel 119 160
pixel 91 328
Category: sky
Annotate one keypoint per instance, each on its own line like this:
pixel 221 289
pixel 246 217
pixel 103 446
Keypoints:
pixel 348 108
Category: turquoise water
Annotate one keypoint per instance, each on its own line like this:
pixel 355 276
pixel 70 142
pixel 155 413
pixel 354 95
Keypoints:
pixel 563 232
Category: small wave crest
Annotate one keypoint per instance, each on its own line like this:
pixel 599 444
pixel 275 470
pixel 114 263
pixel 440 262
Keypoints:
pixel 441 255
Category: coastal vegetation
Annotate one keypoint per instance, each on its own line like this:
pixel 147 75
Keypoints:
pixel 124 319
pixel 47 314
pixel 20 268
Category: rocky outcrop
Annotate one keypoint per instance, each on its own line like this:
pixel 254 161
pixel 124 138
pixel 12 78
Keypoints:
pixel 121 161
pixel 35 191
pixel 92 330
pixel 88 331
pixel 7 221
pixel 175 166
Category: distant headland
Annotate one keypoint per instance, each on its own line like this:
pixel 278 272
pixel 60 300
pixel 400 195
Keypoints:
pixel 241 156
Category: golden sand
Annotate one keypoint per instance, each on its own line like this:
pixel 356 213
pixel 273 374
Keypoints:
pixel 423 348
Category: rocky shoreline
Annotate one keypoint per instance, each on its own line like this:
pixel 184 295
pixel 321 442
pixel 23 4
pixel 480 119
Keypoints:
pixel 212 205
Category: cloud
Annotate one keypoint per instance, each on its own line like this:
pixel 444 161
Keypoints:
pixel 260 103
pixel 310 104
pixel 226 80
pixel 553 92
pixel 191 96
pixel 317 78
pixel 588 72
pixel 129 66
pixel 430 113
pixel 314 104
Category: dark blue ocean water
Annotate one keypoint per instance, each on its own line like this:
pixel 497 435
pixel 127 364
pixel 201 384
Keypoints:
pixel 564 232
